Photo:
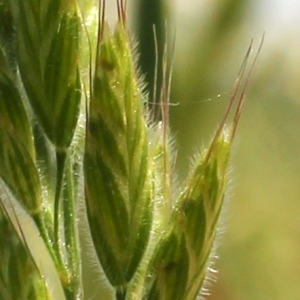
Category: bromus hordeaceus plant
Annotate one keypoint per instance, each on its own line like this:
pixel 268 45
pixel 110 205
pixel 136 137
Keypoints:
pixel 67 137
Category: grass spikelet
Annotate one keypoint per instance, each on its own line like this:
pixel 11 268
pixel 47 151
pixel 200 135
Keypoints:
pixel 117 181
pixel 181 258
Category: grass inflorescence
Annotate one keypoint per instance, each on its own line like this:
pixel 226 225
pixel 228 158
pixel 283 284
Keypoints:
pixel 67 137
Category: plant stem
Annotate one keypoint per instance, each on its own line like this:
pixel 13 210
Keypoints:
pixel 60 161
pixel 70 232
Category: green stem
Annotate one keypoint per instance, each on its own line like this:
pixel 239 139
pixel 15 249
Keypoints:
pixel 56 257
pixel 71 240
pixel 39 221
pixel 121 293
pixel 60 163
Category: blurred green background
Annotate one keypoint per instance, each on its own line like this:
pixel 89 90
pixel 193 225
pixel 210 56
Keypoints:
pixel 259 248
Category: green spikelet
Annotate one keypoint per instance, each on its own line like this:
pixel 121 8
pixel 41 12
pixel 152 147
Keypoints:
pixel 179 264
pixel 180 261
pixel 16 144
pixel 116 162
pixel 47 34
